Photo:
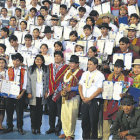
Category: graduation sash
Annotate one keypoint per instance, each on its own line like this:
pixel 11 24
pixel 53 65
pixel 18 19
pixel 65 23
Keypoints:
pixel 53 84
pixel 11 76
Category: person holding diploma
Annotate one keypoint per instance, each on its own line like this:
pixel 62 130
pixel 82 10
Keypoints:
pixel 111 106
pixel 16 74
pixel 3 63
pixel 37 89
pixel 90 88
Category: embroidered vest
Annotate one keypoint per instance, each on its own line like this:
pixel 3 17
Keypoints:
pixel 11 76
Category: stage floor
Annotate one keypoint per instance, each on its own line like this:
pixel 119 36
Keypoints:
pixel 44 128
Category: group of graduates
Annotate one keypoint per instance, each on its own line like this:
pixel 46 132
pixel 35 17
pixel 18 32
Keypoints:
pixel 61 52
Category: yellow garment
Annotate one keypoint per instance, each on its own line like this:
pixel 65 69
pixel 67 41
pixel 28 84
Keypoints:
pixel 69 115
pixel 106 129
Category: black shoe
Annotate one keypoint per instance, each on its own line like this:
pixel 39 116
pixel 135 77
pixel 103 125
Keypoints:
pixel 38 131
pixel 50 131
pixel 57 133
pixel 34 131
pixel 20 130
pixel 9 129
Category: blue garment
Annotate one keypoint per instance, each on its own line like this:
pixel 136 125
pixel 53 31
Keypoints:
pixel 123 20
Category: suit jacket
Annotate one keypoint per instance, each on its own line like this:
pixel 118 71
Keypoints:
pixel 122 123
pixel 31 85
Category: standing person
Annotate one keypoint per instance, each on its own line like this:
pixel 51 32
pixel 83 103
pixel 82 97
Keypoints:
pixel 16 74
pixel 111 107
pixel 90 88
pixel 37 89
pixel 70 97
pixel 56 72
pixel 3 63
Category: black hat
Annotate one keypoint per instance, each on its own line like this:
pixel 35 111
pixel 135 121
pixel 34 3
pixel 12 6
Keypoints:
pixel 128 100
pixel 119 63
pixel 74 58
pixel 47 1
pixel 48 29
pixel 17 56
pixel 104 25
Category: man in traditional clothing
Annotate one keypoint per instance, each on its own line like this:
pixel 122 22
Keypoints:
pixel 111 106
pixel 16 74
pixel 70 97
pixel 127 123
pixel 134 41
pixel 90 88
pixel 56 74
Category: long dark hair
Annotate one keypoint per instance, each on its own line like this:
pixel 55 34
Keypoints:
pixel 43 66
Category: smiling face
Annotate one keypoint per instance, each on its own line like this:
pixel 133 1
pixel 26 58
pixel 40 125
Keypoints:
pixel 131 34
pixel 124 46
pixel 38 61
pixel 91 66
pixel 2 64
pixel 127 109
pixel 136 69
pixel 73 65
pixel 91 53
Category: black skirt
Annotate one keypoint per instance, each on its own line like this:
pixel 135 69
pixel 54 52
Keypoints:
pixel 2 103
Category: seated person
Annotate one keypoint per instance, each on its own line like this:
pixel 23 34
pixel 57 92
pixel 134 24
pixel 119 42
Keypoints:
pixel 135 42
pixel 79 49
pixel 88 33
pixel 134 19
pixel 127 122
pixel 104 31
pixel 58 46
pixel 135 74
pixel 123 17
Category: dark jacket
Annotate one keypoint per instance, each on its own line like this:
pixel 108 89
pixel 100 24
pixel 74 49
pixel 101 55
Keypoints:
pixel 122 123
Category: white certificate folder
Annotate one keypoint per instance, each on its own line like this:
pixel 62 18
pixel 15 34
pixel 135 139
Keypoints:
pixel 126 57
pixel 112 90
pixel 9 89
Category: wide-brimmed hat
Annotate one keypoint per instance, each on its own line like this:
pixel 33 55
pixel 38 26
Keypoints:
pixel 74 58
pixel 128 100
pixel 119 63
pixel 47 1
pixel 47 30
pixel 107 15
pixel 132 27
pixel 105 25
pixel 136 62
pixel 17 56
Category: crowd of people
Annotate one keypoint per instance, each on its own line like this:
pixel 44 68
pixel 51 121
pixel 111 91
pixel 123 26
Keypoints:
pixel 75 58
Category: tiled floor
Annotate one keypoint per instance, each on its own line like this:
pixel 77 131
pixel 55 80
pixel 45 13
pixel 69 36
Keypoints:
pixel 29 135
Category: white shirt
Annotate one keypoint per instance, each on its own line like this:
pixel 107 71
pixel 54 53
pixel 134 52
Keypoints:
pixel 11 50
pixel 37 7
pixel 88 38
pixel 96 31
pixel 114 27
pixel 17 77
pixel 30 49
pixel 96 83
pixel 39 86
